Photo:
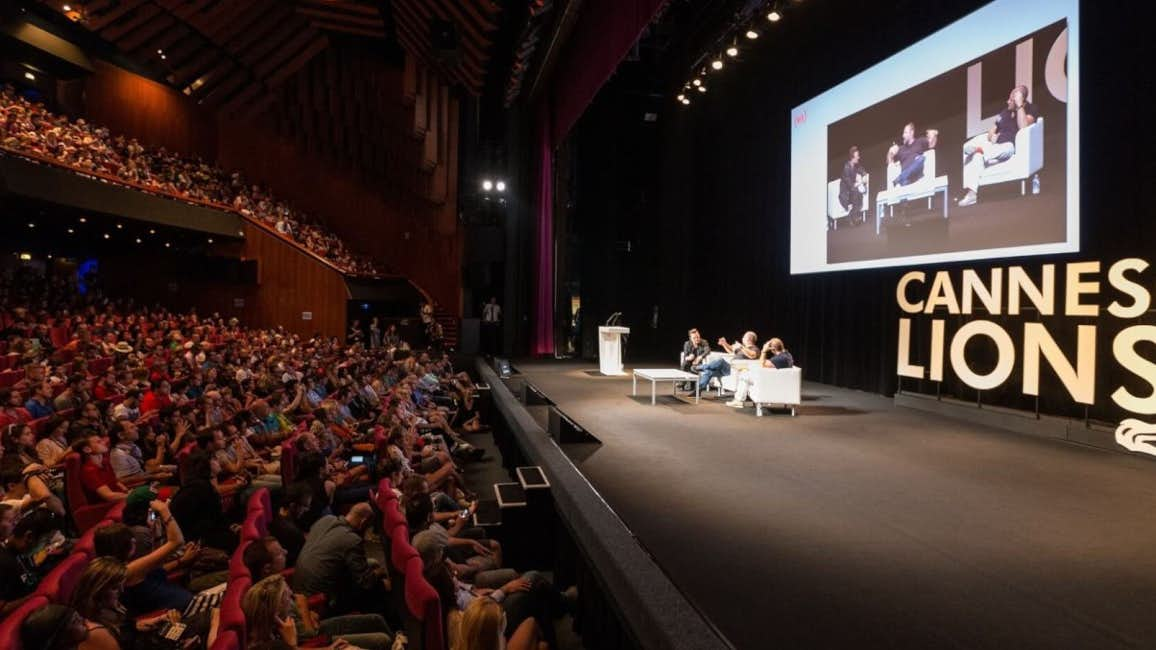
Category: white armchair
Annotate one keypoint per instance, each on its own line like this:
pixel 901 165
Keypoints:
pixel 835 209
pixel 770 386
pixel 1027 160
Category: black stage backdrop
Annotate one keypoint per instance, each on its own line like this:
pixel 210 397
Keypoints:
pixel 691 214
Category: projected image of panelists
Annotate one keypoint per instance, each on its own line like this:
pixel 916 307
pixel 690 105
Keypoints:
pixel 993 176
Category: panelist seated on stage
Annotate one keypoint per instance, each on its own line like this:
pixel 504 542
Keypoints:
pixel 694 352
pixel 778 358
pixel 721 367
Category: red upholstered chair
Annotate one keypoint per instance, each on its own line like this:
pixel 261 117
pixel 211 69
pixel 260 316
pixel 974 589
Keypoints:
pixel 59 336
pixel 10 378
pixel 400 550
pixel 250 529
pixel 384 494
pixel 10 626
pixel 232 616
pixel 423 604
pixel 260 500
pixel 57 586
pixel 237 568
pixel 85 514
pixel 288 462
pixel 393 517
pixel 227 640
pixel 116 512
pixel 38 425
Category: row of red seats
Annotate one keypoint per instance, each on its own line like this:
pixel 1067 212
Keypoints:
pixel 10 374
pixel 58 585
pixel 421 600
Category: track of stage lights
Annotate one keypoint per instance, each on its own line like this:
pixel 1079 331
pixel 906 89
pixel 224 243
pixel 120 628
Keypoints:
pixel 744 32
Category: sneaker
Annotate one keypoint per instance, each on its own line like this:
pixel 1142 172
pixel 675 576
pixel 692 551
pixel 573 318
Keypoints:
pixel 970 199
pixel 734 403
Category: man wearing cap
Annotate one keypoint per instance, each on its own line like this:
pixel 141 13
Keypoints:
pixel 333 562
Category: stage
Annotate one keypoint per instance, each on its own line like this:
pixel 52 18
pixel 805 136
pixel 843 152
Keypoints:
pixel 862 524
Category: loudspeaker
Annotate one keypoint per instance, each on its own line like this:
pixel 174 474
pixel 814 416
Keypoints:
pixel 503 367
pixel 564 430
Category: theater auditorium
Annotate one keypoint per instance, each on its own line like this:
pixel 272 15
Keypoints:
pixel 576 325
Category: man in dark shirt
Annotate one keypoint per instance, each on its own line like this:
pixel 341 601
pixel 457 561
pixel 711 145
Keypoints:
pixel 909 152
pixel 694 351
pixel 998 144
pixel 19 572
pixel 297 501
pixel 851 183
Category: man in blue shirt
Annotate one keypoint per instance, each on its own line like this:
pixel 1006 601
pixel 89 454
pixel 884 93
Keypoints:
pixel 38 405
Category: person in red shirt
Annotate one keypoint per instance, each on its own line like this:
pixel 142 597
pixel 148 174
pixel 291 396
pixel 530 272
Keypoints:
pixel 96 475
pixel 158 398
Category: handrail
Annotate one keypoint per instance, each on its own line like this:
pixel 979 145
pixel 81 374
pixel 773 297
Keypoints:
pixel 186 199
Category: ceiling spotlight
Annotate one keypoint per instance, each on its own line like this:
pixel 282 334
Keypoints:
pixel 67 8
pixel 31 225
pixel 138 240
pixel 160 51
pixel 717 64
pixel 681 98
pixel 487 185
pixel 500 186
pixel 82 220
pixel 697 82
pixel 210 240
pixel 702 89
pixel 29 76
pixel 774 16
pixel 152 231
pixel 166 244
pixel 49 257
pixel 120 226
pixel 25 256
pixel 70 231
pixel 106 235
pixel 732 51
pixel 684 100
pixel 752 34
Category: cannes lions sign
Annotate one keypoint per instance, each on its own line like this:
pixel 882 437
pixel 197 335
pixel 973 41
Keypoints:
pixel 1009 291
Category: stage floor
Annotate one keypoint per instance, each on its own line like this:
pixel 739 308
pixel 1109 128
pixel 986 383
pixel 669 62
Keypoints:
pixel 861 524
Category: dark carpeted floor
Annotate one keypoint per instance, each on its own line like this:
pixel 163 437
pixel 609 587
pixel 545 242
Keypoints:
pixel 859 524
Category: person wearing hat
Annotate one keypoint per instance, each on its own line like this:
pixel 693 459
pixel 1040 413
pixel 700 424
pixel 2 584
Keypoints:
pixel 53 627
pixel 123 348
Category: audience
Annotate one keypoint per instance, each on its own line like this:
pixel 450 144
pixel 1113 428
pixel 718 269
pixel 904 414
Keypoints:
pixel 30 129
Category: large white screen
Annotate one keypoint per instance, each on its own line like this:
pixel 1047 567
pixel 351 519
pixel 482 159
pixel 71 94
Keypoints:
pixel 983 171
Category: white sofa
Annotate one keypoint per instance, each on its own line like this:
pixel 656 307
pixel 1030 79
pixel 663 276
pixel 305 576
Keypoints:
pixel 770 386
pixel 1027 160
pixel 925 187
pixel 835 209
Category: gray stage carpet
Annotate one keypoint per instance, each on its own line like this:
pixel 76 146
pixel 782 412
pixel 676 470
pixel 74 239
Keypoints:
pixel 859 524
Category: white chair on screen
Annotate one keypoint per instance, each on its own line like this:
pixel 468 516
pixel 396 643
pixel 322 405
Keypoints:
pixel 835 209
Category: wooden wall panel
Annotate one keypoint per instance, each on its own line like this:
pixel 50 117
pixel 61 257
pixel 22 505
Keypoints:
pixel 150 112
pixel 288 284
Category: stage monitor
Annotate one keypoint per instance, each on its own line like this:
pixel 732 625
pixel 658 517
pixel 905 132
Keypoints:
pixel 963 146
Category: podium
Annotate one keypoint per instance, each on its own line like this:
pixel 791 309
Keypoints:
pixel 610 350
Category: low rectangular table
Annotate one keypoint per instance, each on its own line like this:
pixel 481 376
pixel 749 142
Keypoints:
pixel 656 375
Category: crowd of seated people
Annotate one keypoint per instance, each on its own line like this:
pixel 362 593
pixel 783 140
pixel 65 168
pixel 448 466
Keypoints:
pixel 30 128
pixel 136 441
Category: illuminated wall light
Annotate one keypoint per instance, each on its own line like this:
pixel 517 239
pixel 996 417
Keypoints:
pixel 500 186
pixel 681 98
pixel 67 8
pixel 685 100
pixel 774 16
pixel 752 34
pixel 732 51
pixel 29 76
pixel 697 82
pixel 702 89
pixel 106 236
pixel 83 220
pixel 487 185
pixel 152 231
pixel 166 245
pixel 70 231
pixel 138 240
pixel 120 226
pixel 210 240
pixel 26 256
pixel 49 257
pixel 717 64
pixel 31 225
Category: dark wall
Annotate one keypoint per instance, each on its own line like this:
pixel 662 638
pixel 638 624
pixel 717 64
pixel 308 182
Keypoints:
pixel 719 231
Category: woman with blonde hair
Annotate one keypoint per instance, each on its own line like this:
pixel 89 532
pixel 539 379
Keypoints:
pixel 268 607
pixel 483 626
pixel 97 598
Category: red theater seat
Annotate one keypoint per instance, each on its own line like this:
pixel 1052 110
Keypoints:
pixel 85 514
pixel 400 550
pixel 57 586
pixel 10 626
pixel 227 640
pixel 393 517
pixel 232 617
pixel 423 604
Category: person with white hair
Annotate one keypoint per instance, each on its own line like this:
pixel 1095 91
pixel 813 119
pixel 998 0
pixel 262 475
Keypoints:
pixel 721 367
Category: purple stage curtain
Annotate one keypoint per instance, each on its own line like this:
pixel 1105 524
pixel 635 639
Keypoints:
pixel 604 33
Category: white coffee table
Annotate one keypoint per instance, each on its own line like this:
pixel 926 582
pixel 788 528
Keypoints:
pixel 656 375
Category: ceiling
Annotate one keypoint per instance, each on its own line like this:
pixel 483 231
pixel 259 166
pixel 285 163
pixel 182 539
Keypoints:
pixel 233 55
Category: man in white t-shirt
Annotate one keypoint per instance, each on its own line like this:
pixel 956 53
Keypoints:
pixel 491 324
